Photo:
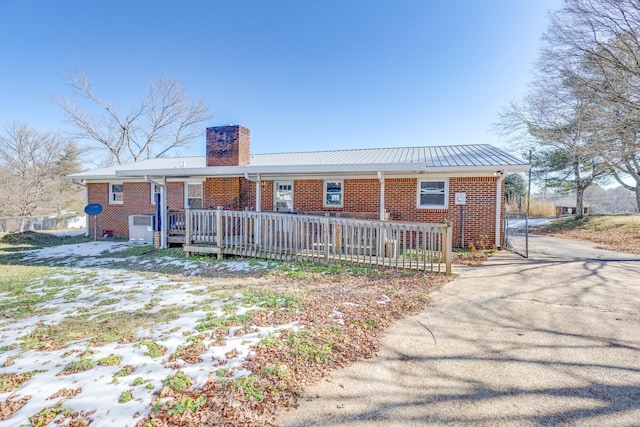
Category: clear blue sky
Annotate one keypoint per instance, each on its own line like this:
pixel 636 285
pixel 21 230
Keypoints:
pixel 301 74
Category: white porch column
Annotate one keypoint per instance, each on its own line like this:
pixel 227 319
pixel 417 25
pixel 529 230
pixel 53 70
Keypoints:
pixel 258 182
pixel 499 224
pixel 164 214
pixel 381 179
pixel 258 194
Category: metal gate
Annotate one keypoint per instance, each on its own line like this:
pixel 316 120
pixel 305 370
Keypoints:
pixel 516 233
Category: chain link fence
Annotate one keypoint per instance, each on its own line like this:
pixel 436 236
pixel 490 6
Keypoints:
pixel 516 233
pixel 17 224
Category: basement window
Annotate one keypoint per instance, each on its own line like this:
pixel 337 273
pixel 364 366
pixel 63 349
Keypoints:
pixel 433 194
pixel 116 194
pixel 333 193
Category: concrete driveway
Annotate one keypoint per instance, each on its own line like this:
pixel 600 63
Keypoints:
pixel 552 340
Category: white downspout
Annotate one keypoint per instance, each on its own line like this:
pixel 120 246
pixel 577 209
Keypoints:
pixel 86 202
pixel 499 226
pixel 258 190
pixel 381 179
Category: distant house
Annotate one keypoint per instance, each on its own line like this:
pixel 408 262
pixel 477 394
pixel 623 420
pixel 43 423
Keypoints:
pixel 567 206
pixel 425 184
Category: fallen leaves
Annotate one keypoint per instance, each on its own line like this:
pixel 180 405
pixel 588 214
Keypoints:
pixel 340 320
pixel 11 405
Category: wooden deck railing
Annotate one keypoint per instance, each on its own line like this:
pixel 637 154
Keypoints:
pixel 326 239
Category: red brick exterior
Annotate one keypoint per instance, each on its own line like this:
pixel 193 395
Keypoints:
pixel 136 201
pixel 228 146
pixel 360 195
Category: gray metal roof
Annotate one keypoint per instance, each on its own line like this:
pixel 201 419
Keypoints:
pixel 430 156
pixel 404 158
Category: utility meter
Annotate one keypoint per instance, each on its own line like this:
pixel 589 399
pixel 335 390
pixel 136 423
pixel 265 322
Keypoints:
pixel 461 198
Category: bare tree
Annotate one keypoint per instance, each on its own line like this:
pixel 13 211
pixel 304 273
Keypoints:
pixel 165 120
pixel 599 39
pixel 556 121
pixel 32 170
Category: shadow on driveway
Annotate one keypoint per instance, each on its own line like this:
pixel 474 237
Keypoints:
pixel 549 340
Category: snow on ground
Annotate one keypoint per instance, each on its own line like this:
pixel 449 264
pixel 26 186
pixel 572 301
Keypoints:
pixel 86 287
pixel 531 222
pixel 90 249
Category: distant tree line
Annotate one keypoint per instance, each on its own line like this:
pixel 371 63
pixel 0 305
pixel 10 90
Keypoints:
pixel 32 169
pixel 33 163
pixel 581 116
pixel 603 200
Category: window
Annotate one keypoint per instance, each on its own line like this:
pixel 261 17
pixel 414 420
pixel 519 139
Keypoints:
pixel 194 195
pixel 283 196
pixel 432 194
pixel 333 194
pixel 116 194
pixel 155 190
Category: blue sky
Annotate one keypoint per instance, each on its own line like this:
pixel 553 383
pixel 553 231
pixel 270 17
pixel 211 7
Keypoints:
pixel 302 75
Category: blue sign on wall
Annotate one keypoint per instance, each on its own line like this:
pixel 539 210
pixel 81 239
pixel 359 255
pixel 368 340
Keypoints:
pixel 93 209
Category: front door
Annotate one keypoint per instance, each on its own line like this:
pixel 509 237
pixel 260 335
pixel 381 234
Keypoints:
pixel 283 198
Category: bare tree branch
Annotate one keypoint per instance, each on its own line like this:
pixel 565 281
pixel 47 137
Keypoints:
pixel 166 120
pixel 32 167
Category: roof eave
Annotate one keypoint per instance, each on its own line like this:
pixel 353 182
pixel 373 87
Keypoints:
pixel 315 169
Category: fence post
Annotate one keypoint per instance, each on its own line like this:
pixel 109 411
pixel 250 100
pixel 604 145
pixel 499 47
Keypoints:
pixel 448 243
pixel 219 237
pixel 187 226
pixel 327 238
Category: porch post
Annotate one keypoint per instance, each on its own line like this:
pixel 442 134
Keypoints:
pixel 499 225
pixel 164 214
pixel 258 194
pixel 448 246
pixel 219 236
pixel 381 179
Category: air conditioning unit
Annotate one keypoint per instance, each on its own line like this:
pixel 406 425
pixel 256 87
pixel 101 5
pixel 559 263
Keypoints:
pixel 141 229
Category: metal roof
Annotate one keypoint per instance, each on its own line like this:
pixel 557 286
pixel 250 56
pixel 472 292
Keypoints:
pixel 430 156
pixel 422 159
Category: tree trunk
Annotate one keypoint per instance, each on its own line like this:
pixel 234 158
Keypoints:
pixel 580 203
pixel 579 190
pixel 637 190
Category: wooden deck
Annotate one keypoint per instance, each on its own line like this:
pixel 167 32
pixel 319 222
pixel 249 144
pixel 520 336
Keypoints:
pixel 269 235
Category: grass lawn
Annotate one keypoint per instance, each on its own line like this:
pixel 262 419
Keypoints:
pixel 614 232
pixel 119 335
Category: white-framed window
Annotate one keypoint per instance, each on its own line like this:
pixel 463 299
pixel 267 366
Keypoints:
pixel 193 194
pixel 333 193
pixel 433 193
pixel 283 196
pixel 116 193
pixel 155 190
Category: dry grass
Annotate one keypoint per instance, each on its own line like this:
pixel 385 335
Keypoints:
pixel 614 232
pixel 539 207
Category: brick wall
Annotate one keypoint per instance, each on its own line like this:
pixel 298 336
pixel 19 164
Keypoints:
pixel 223 192
pixel 136 201
pixel 360 195
pixel 228 146
pixel 480 209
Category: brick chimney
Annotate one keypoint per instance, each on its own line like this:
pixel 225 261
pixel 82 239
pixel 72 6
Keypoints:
pixel 228 146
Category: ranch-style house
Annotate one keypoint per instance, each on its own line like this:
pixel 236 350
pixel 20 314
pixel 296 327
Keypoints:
pixel 460 184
